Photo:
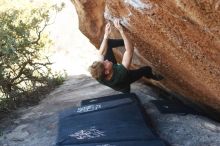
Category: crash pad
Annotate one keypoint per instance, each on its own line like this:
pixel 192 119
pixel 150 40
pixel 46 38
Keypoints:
pixel 115 120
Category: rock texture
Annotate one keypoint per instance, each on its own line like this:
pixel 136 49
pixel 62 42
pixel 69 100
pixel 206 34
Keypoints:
pixel 179 38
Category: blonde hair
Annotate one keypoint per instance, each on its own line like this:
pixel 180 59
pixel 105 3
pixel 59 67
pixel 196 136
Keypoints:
pixel 97 69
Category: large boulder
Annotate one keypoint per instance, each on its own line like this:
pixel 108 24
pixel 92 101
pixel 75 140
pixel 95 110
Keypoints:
pixel 179 39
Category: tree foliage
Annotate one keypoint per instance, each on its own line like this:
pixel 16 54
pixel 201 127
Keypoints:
pixel 24 69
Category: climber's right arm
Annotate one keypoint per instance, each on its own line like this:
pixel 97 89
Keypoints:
pixel 103 46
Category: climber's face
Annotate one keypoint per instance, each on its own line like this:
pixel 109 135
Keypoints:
pixel 107 66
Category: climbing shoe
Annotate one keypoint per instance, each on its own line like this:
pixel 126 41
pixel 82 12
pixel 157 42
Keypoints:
pixel 157 77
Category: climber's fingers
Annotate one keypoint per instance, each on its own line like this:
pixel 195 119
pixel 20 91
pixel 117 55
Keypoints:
pixel 108 28
pixel 117 24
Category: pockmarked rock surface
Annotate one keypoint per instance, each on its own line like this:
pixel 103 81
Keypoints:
pixel 173 122
pixel 179 39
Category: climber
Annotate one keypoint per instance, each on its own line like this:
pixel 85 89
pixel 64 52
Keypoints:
pixel 118 76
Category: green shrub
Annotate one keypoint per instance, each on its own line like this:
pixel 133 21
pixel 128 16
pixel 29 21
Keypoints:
pixel 24 69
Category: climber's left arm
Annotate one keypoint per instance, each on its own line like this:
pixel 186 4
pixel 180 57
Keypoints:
pixel 129 49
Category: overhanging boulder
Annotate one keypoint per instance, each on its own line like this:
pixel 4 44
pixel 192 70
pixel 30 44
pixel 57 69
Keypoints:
pixel 179 39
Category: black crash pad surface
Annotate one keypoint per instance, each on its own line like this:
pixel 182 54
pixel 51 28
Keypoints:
pixel 106 121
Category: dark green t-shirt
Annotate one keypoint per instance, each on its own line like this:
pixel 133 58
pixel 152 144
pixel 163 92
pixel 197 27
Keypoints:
pixel 119 80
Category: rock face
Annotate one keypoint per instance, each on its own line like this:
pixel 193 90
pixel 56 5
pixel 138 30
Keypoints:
pixel 179 39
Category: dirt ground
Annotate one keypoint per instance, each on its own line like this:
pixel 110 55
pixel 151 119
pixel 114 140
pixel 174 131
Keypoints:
pixel 172 121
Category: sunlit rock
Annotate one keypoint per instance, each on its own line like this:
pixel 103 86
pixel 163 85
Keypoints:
pixel 179 38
